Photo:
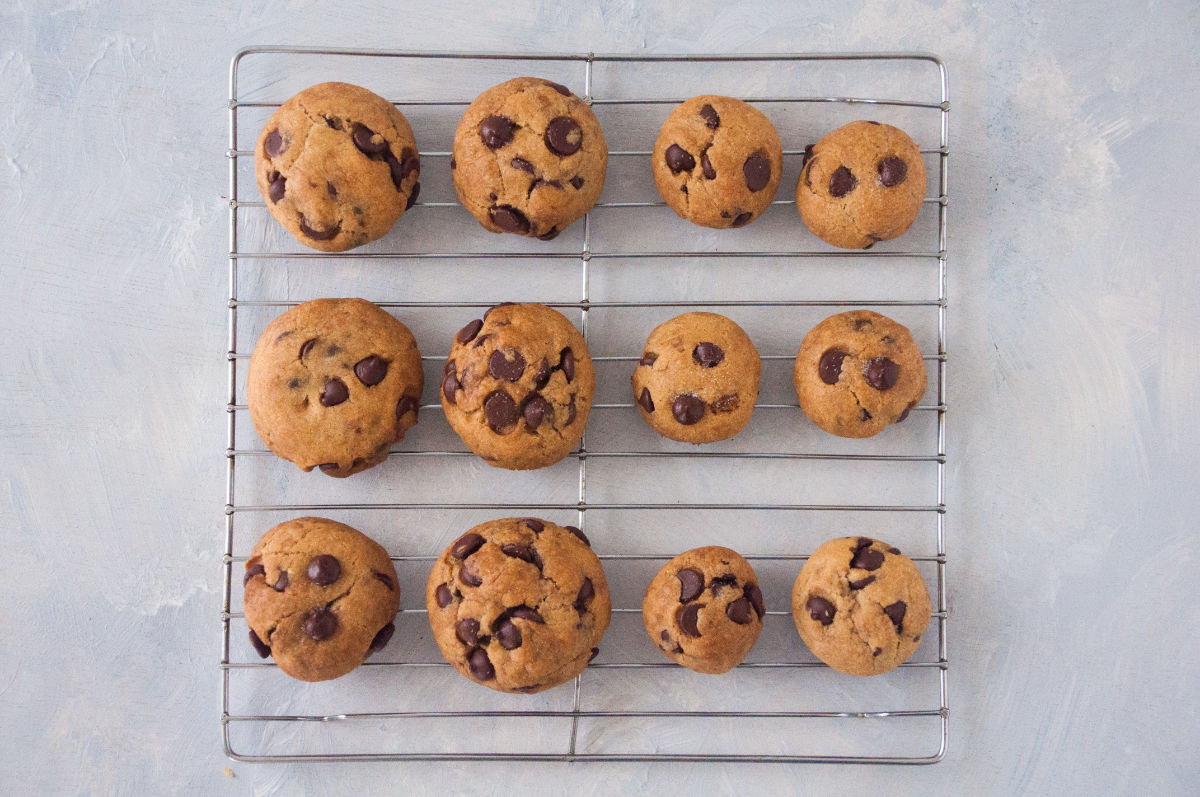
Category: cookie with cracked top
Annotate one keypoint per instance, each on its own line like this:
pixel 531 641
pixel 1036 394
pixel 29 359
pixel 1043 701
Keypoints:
pixel 337 166
pixel 518 386
pixel 697 379
pixel 529 158
pixel 858 372
pixel 860 605
pixel 704 609
pixel 861 184
pixel 518 604
pixel 717 161
pixel 320 597
pixel 333 384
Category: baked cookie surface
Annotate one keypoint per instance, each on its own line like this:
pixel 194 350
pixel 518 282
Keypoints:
pixel 529 158
pixel 334 383
pixel 337 165
pixel 320 597
pixel 860 605
pixel 717 161
pixel 861 184
pixel 518 604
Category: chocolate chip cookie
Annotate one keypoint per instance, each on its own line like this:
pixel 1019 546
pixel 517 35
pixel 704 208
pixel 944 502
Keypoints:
pixel 518 386
pixel 518 604
pixel 717 161
pixel 857 372
pixel 320 597
pixel 337 165
pixel 860 605
pixel 861 184
pixel 697 379
pixel 529 158
pixel 333 383
pixel 704 609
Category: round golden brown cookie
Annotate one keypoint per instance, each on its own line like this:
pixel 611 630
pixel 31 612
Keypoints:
pixel 333 383
pixel 518 386
pixel 320 597
pixel 697 380
pixel 857 372
pixel 518 604
pixel 717 161
pixel 337 165
pixel 861 184
pixel 860 606
pixel 704 609
pixel 529 158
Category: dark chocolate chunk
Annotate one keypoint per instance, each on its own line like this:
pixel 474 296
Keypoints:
pixel 689 619
pixel 892 171
pixel 323 569
pixel 334 393
pixel 742 219
pixel 371 370
pixel 480 665
pixel 509 219
pixel 895 613
pixel 820 609
pixel 253 570
pixel 468 577
pixel 535 411
pixel 382 637
pixel 307 347
pixel 542 375
pixel 260 647
pixel 841 182
pixel 450 384
pixel 564 136
pixel 862 582
pixel 579 534
pixel 691 584
pixel 274 145
pixel 535 525
pixel 467 631
pixel 566 361
pixel 726 403
pixel 508 635
pixel 757 171
pixel 367 140
pixel 320 623
pixel 384 579
pixel 500 367
pixel 501 412
pixel 719 583
pixel 521 164
pixel 576 182
pixel 708 355
pixel 830 366
pixel 466 545
pixel 645 401
pixel 496 131
pixel 444 596
pixel 277 186
pixel 679 159
pixel 648 358
pixel 688 408
pixel 525 613
pixel 756 599
pixel 881 373
pixel 866 558
pixel 706 167
pixel 319 235
pixel 710 116
pixel 518 551
pixel 584 597
pixel 468 333
pixel 739 611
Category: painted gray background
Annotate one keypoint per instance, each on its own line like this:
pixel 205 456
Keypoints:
pixel 1073 382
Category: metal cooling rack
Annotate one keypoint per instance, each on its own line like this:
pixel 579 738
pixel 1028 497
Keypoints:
pixel 570 748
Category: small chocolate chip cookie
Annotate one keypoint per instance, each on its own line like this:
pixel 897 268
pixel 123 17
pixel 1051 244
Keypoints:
pixel 529 158
pixel 704 609
pixel 861 184
pixel 697 380
pixel 337 165
pixel 860 605
pixel 320 597
pixel 717 161
pixel 857 372
pixel 518 386
pixel 518 604
pixel 333 383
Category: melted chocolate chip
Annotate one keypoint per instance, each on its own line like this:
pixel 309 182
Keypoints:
pixel 830 366
pixel 500 367
pixel 480 665
pixel 319 235
pixel 904 414
pixel 535 411
pixel 501 412
pixel 742 219
pixel 706 167
pixel 320 623
pixel 334 393
pixel 509 219
pixel 323 570
pixel 648 358
pixel 253 570
pixel 688 408
pixel 689 619
pixel 708 355
pixel 808 153
pixel 754 594
pixel 466 545
pixel 862 582
pixel 739 611
pixel 467 631
pixel 384 579
pixel 756 171
pixel 595 652
pixel 863 415
pixel 329 187
pixel 881 373
pixel 535 525
pixel 260 647
pixel 820 609
pixel 371 370
pixel 841 182
pixel 566 361
pixel 367 140
pixel 521 164
pixel 571 411
pixel 892 171
pixel 274 145
pixel 282 582
pixel 576 182
pixel 382 637
pixel 277 186
pixel 307 347
pixel 895 613
pixel 329 467
pixel 584 597
pixel 563 136
pixel 710 116
pixel 877 651
pixel 645 401
pixel 525 613
pixel 894 550
pixel 496 131
pixel 518 551
pixel 726 403
pixel 412 198
pixel 450 384
pixel 542 375
pixel 691 584
pixel 720 582
pixel 443 595
pixel 468 333
pixel 679 159
pixel 866 558
pixel 508 635
pixel 469 577
pixel 579 534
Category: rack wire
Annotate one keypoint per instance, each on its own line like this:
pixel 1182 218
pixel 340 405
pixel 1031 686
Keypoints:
pixel 628 724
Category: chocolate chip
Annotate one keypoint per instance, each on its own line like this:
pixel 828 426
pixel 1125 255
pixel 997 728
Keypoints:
pixel 720 582
pixel 830 366
pixel 691 584
pixel 892 171
pixel 665 635
pixel 508 635
pixel 480 665
pixel 276 187
pixel 331 189
pixel 566 361
pixel 863 415
pixel 862 582
pixel 479 341
pixel 466 545
pixel 381 639
pixel 509 219
pixel 274 144
pixel 679 159
pixel 866 558
pixel 525 613
pixel 561 89
pixel 870 122
pixel 754 594
pixel 367 140
pixel 881 373
pixel 904 414
pixel 335 124
pixel 689 619
pixel 808 153
pixel 260 647
pixel 320 623
pixel 726 403
pixel 584 597
pixel 549 235
pixel 371 370
pixel 412 197
pixel 594 654
pixel 820 609
pixel 385 579
pixel 323 570
pixel 282 582
pixel 757 171
pixel 443 595
pixel 864 542
pixel 496 131
pixel 688 408
pixel 708 355
pixel 645 401
pixel 576 182
pixel 468 333
pixel 319 235
pixel 877 651
pixel 710 116
pixel 571 411
pixel 579 534
pixel 293 383
pixel 563 136
pixel 500 411
pixel 862 323
pixel 535 525
pixel 841 182
pixel 539 183
pixel 648 358
pixel 739 611
pixel 542 375
pixel 521 164
pixel 306 347
pixel 807 170
pixel 895 613
pixel 468 577
pixel 252 571
pixel 523 552
pixel 894 550
pixel 405 405
pixel 500 367
pixel 467 631
pixel 334 393
pixel 683 188
pixel 706 167
pixel 741 220
pixel 535 411
pixel 450 384
pixel 329 467
pixel 453 163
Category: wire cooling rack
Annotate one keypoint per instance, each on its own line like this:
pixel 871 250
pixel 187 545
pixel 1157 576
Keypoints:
pixel 774 493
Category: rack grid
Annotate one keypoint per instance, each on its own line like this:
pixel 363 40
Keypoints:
pixel 373 738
